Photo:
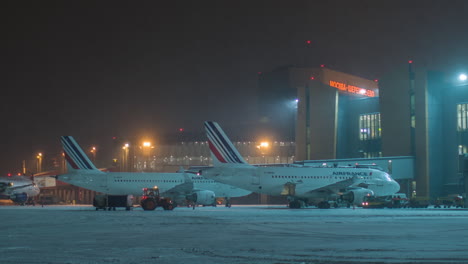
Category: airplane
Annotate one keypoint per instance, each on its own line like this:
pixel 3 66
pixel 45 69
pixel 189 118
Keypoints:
pixel 18 189
pixel 302 184
pixel 178 186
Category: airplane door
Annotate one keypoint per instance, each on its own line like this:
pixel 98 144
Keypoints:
pixel 255 179
pixel 102 182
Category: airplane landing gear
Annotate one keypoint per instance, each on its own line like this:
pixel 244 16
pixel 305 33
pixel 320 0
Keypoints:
pixel 228 202
pixel 296 204
pixel 323 205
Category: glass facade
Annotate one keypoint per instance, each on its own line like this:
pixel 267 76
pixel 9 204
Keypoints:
pixel 462 117
pixel 462 150
pixel 370 134
pixel 369 126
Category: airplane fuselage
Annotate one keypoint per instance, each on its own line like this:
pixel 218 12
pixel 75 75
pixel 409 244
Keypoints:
pixel 272 180
pixel 10 187
pixel 125 183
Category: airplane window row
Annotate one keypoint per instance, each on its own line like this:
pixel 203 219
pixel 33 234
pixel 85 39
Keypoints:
pixel 300 177
pixel 309 177
pixel 204 181
pixel 148 180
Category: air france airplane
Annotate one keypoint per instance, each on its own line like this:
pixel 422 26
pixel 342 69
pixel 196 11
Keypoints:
pixel 302 184
pixel 177 186
pixel 18 189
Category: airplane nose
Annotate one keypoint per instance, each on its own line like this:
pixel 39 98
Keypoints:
pixel 395 186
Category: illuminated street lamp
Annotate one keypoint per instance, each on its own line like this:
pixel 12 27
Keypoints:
pixel 64 163
pixel 93 152
pixel 39 162
pixel 263 147
pixel 125 148
pixel 146 149
pixel 462 77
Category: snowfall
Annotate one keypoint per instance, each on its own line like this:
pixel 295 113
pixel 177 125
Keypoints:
pixel 240 234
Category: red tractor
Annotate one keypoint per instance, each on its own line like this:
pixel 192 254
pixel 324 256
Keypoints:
pixel 151 200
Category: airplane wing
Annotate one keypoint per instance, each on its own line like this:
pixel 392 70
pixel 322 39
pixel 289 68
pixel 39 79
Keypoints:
pixel 337 186
pixel 184 188
pixel 9 186
pixel 4 185
pixel 20 186
pixel 289 188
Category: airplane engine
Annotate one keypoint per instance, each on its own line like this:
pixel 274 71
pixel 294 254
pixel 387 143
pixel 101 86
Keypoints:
pixel 203 197
pixel 357 196
pixel 20 198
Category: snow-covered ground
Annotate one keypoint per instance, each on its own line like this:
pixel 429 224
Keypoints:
pixel 241 234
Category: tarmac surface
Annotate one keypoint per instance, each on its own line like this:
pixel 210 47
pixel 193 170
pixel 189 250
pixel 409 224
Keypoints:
pixel 240 234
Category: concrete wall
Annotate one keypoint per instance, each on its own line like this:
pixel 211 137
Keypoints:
pixel 436 132
pixel 323 121
pixel 395 113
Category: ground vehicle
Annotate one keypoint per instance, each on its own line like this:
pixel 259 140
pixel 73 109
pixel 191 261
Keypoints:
pixel 418 202
pixel 103 201
pixel 397 200
pixel 151 199
pixel 374 202
pixel 449 201
pixel 48 199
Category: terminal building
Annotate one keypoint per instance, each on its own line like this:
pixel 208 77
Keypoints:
pixel 412 122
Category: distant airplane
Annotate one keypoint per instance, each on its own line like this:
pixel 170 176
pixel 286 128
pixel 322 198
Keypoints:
pixel 302 184
pixel 18 189
pixel 179 186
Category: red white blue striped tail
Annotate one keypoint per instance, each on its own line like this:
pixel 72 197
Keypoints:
pixel 222 150
pixel 76 158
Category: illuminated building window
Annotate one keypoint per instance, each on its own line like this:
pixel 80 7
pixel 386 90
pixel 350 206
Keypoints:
pixel 369 126
pixel 462 117
pixel 462 150
pixel 372 154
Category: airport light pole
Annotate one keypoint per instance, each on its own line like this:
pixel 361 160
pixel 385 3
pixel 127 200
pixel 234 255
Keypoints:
pixel 146 148
pixel 264 147
pixel 125 157
pixel 93 152
pixel 39 162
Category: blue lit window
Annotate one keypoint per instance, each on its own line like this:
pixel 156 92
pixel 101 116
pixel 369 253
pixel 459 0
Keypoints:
pixel 462 117
pixel 369 126
pixel 462 150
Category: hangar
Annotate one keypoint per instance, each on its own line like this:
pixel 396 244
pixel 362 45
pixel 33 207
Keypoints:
pixel 414 116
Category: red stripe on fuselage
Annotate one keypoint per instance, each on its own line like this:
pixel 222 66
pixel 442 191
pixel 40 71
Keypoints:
pixel 215 151
pixel 71 162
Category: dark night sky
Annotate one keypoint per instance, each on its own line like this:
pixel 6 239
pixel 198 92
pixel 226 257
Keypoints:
pixel 95 69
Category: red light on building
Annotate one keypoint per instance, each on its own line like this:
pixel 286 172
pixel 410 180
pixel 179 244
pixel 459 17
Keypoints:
pixel 410 61
pixel 375 80
pixel 114 138
pixel 309 42
pixel 312 78
pixel 322 65
pixel 181 130
pixel 9 174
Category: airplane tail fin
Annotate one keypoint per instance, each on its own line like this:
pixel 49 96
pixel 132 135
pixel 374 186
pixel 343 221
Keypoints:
pixel 222 150
pixel 75 157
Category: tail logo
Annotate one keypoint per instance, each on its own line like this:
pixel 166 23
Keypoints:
pixel 75 155
pixel 221 146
